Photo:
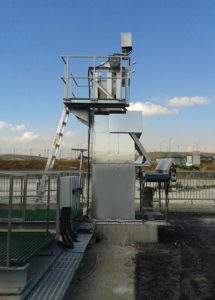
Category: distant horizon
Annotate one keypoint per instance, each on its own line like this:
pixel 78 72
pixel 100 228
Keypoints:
pixel 66 154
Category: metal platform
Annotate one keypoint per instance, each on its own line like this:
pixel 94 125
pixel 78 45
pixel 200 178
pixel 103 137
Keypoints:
pixel 14 262
pixel 23 246
pixel 83 103
pixel 54 283
pixel 57 279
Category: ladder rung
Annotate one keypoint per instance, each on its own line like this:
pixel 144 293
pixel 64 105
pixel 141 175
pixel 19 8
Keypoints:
pixel 55 147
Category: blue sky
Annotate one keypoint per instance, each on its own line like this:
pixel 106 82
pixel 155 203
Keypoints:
pixel 173 44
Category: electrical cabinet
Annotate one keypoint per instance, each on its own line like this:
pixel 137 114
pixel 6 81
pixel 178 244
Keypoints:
pixel 68 191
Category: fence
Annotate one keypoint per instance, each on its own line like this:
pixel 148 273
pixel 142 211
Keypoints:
pixel 26 186
pixel 193 186
pixel 190 186
pixel 194 191
pixel 19 195
pixel 20 204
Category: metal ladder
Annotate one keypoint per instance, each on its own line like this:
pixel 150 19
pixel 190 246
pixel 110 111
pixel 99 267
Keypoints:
pixel 53 152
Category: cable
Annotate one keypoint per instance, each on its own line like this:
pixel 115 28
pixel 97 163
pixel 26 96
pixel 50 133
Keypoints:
pixel 86 275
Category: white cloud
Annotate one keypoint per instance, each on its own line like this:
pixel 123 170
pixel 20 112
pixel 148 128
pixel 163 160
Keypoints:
pixel 150 109
pixel 27 136
pixel 69 134
pixel 18 127
pixel 187 101
pixel 4 125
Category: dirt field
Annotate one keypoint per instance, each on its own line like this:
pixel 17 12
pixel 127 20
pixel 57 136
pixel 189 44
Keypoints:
pixel 182 265
pixel 39 164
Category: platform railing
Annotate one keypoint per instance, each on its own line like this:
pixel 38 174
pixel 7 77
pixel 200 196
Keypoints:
pixel 20 213
pixel 19 192
pixel 18 205
pixel 81 86
pixel 8 249
pixel 190 185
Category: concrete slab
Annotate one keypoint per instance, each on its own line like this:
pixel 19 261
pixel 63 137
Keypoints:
pixel 127 233
pixel 113 276
pixel 12 280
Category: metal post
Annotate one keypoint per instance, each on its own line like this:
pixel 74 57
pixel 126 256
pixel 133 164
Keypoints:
pixel 126 86
pixel 141 193
pixel 76 90
pixel 65 84
pixel 21 194
pixel 80 166
pixel 93 79
pixel 67 76
pixel 9 222
pixel 159 191
pixel 121 62
pixel 88 161
pixel 24 197
pixel 71 88
pixel 80 179
pixel 48 206
pixel 166 188
pixel 58 207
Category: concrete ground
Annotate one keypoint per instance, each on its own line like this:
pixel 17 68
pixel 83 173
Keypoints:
pixel 180 266
pixel 107 272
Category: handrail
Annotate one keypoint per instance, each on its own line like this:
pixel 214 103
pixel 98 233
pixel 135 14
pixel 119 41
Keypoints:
pixel 98 73
pixel 93 56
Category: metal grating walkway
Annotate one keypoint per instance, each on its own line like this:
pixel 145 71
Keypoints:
pixel 57 280
pixel 23 246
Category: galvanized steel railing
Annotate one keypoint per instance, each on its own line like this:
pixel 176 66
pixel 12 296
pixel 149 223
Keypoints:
pixel 79 86
pixel 18 196
pixel 190 185
pixel 193 186
pixel 20 191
